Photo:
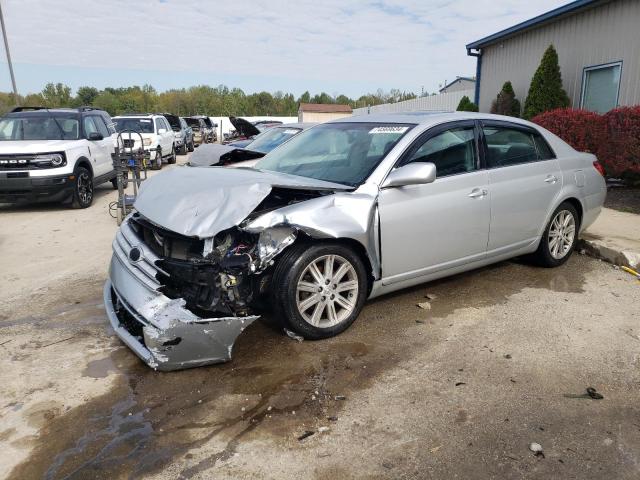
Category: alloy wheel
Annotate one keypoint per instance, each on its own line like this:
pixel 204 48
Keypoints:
pixel 85 188
pixel 562 233
pixel 327 291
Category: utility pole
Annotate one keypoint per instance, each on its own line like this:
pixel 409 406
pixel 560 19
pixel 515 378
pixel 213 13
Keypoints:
pixel 6 48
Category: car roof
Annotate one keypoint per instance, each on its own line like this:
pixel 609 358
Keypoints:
pixel 426 118
pixel 302 125
pixel 137 115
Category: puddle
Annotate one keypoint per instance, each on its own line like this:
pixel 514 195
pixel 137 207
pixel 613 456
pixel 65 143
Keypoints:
pixel 150 419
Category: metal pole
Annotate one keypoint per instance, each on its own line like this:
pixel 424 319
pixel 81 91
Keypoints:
pixel 6 48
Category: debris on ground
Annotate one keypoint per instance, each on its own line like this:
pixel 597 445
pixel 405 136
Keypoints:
pixel 590 393
pixel 435 449
pixel 340 397
pixel 460 383
pixel 293 335
pixel 332 418
pixel 323 429
pixel 508 356
pixel 536 448
pixel 631 271
pixel 424 305
pixel 306 434
pixel 430 296
pixel 420 321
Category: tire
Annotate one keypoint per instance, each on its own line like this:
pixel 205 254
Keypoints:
pixel 157 162
pixel 172 159
pixel 191 147
pixel 556 248
pixel 293 282
pixel 114 183
pixel 82 188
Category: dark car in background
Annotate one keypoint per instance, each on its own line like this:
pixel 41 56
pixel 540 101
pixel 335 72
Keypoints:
pixel 244 132
pixel 199 129
pixel 182 132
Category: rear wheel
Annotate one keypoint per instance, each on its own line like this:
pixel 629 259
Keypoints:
pixel 82 188
pixel 172 158
pixel 319 290
pixel 559 238
pixel 191 148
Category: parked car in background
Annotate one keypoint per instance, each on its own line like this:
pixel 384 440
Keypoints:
pixel 245 131
pixel 209 129
pixel 183 135
pixel 199 128
pixel 215 125
pixel 254 149
pixel 304 233
pixel 56 154
pixel 157 136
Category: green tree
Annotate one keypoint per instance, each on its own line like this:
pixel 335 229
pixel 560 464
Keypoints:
pixel 546 92
pixel 506 102
pixel 58 95
pixel 86 96
pixel 305 97
pixel 466 105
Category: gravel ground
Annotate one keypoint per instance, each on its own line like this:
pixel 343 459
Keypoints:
pixel 624 199
pixel 461 390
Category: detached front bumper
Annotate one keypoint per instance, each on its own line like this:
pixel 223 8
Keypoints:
pixel 161 331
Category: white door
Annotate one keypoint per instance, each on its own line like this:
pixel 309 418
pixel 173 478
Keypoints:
pixel 101 161
pixel 432 227
pixel 524 179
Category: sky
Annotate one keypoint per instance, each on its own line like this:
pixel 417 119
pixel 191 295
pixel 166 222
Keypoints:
pixel 336 46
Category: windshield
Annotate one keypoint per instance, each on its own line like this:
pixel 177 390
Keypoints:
pixel 40 127
pixel 142 125
pixel 336 152
pixel 270 139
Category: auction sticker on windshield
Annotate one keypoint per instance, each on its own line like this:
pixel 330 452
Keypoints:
pixel 389 130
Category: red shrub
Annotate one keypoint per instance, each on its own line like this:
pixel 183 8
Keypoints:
pixel 621 151
pixel 613 137
pixel 583 130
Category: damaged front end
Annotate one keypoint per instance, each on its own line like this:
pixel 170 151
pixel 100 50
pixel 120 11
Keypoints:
pixel 181 302
pixel 191 267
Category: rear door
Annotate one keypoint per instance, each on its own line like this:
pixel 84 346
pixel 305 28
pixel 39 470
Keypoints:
pixel 524 179
pixel 433 227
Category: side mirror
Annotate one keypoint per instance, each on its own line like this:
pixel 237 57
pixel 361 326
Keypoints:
pixel 412 174
pixel 161 131
pixel 95 136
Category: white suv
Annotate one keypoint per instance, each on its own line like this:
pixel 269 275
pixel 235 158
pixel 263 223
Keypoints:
pixel 55 154
pixel 157 136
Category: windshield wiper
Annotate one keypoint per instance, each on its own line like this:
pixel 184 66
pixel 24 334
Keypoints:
pixel 58 124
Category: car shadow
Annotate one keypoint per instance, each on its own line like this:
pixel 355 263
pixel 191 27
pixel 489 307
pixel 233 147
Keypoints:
pixel 98 193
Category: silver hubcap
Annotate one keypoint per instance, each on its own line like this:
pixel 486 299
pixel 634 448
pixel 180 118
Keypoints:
pixel 327 291
pixel 561 234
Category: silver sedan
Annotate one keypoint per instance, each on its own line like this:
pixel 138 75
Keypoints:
pixel 345 211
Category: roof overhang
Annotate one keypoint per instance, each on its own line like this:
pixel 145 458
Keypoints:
pixel 567 9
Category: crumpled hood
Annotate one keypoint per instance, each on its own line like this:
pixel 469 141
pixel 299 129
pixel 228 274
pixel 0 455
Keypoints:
pixel 200 202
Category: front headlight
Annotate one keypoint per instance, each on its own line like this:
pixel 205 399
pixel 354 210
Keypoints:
pixel 146 142
pixel 50 160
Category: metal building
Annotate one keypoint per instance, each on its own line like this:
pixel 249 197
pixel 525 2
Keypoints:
pixel 598 44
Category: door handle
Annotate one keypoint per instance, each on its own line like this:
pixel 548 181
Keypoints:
pixel 551 179
pixel 478 193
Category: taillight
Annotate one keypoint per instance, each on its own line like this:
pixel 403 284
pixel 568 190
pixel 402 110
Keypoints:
pixel 599 167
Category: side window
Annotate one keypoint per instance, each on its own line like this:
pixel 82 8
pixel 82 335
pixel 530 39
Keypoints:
pixel 509 146
pixel 452 151
pixel 102 127
pixel 110 124
pixel 544 150
pixel 159 124
pixel 89 126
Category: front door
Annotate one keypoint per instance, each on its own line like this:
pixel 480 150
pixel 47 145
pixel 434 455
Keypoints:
pixel 432 227
pixel 101 161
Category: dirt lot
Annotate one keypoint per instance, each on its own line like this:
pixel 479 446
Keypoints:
pixel 458 391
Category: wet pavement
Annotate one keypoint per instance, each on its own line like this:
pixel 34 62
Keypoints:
pixel 457 389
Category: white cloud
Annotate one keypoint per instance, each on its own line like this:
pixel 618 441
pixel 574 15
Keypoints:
pixel 403 44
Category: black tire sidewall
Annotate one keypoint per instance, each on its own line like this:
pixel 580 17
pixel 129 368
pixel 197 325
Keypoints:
pixel 285 281
pixel 76 202
pixel 543 254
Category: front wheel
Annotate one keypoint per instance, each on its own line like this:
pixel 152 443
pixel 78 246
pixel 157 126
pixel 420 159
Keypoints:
pixel 559 238
pixel 157 162
pixel 319 290
pixel 82 188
